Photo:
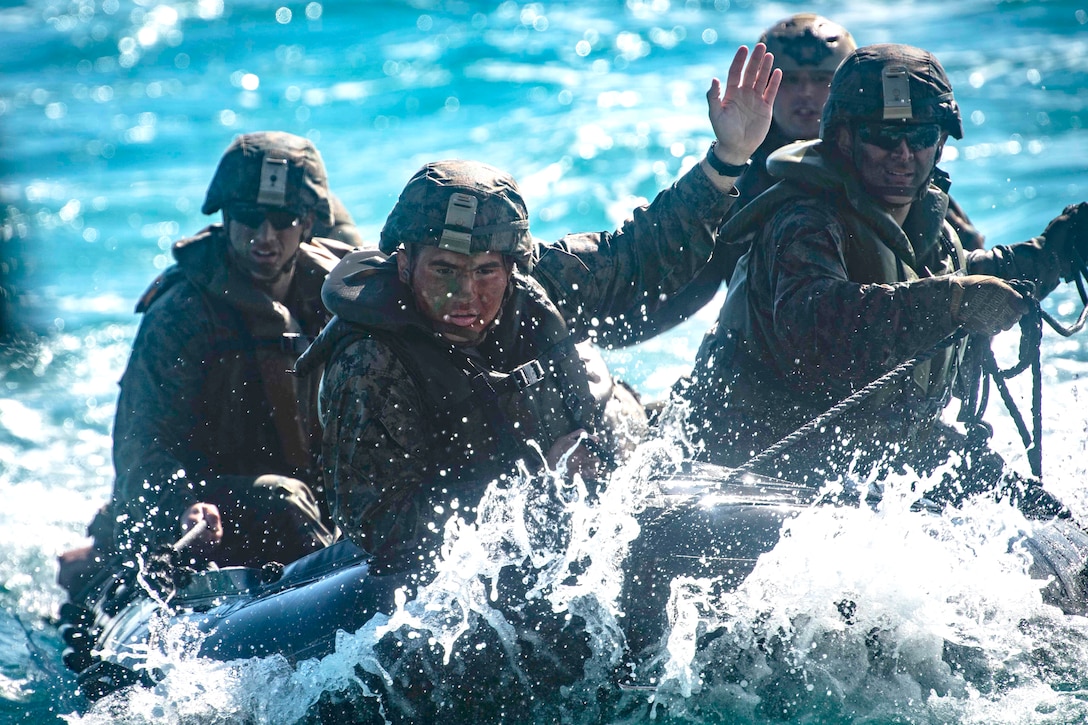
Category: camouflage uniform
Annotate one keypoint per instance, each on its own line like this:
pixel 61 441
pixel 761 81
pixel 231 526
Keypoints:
pixel 209 412
pixel 832 294
pixel 415 427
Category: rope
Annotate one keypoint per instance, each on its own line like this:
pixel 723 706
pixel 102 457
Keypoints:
pixel 1029 357
pixel 845 405
pixel 1078 272
pixel 1031 335
pixel 1031 338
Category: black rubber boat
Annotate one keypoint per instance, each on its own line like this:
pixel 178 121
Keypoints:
pixel 705 524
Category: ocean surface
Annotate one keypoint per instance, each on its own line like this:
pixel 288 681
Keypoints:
pixel 113 114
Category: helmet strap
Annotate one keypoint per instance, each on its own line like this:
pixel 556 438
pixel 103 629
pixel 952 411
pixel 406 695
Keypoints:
pixel 511 267
pixel 409 269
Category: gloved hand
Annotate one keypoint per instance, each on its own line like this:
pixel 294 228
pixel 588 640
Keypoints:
pixel 1067 234
pixel 986 305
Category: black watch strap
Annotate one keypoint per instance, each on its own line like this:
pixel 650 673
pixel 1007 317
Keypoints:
pixel 723 168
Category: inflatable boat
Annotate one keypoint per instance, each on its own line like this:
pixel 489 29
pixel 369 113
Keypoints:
pixel 707 522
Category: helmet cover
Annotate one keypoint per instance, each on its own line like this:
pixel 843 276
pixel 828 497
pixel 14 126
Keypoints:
pixel 271 168
pixel 462 206
pixel 807 41
pixel 890 83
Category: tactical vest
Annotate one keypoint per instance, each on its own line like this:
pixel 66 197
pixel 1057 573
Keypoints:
pixel 247 377
pixel 524 384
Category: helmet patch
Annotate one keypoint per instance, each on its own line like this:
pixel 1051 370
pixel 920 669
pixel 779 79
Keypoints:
pixel 460 218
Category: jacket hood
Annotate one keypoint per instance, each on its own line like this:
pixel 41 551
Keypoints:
pixel 365 289
pixel 805 163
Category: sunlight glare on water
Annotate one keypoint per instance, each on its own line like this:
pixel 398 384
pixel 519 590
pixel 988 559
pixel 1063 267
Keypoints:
pixel 113 115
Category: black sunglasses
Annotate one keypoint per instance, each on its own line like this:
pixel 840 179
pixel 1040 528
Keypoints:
pixel 253 215
pixel 888 136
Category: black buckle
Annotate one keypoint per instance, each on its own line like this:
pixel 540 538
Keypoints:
pixel 528 375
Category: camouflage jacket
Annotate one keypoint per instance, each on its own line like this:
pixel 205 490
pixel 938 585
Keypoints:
pixel 206 391
pixel 394 470
pixel 832 294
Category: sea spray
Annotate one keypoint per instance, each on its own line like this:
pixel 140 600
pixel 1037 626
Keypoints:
pixel 861 613
pixel 521 615
pixel 867 615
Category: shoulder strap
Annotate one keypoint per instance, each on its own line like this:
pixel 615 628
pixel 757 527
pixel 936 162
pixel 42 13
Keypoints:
pixel 233 336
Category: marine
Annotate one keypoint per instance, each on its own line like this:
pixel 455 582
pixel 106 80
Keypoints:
pixel 854 269
pixel 210 424
pixel 807 48
pixel 453 362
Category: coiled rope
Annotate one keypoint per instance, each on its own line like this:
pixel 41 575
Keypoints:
pixel 1031 337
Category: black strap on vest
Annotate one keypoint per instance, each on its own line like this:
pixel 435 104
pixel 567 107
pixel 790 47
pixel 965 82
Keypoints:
pixel 488 386
pixel 530 374
pixel 233 337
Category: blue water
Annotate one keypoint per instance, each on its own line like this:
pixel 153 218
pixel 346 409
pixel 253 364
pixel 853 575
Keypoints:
pixel 113 114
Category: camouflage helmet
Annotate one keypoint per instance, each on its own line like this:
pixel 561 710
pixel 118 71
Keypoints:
pixel 271 168
pixel 890 83
pixel 807 41
pixel 462 206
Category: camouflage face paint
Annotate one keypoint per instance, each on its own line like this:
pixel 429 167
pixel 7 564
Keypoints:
pixel 460 294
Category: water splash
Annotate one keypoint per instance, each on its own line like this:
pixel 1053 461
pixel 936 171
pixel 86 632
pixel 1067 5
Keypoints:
pixel 875 615
pixel 859 614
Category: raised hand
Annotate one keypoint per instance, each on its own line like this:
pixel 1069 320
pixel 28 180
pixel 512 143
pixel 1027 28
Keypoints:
pixel 742 117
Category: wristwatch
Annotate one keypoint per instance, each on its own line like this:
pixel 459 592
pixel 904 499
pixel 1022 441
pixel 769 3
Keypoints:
pixel 721 167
